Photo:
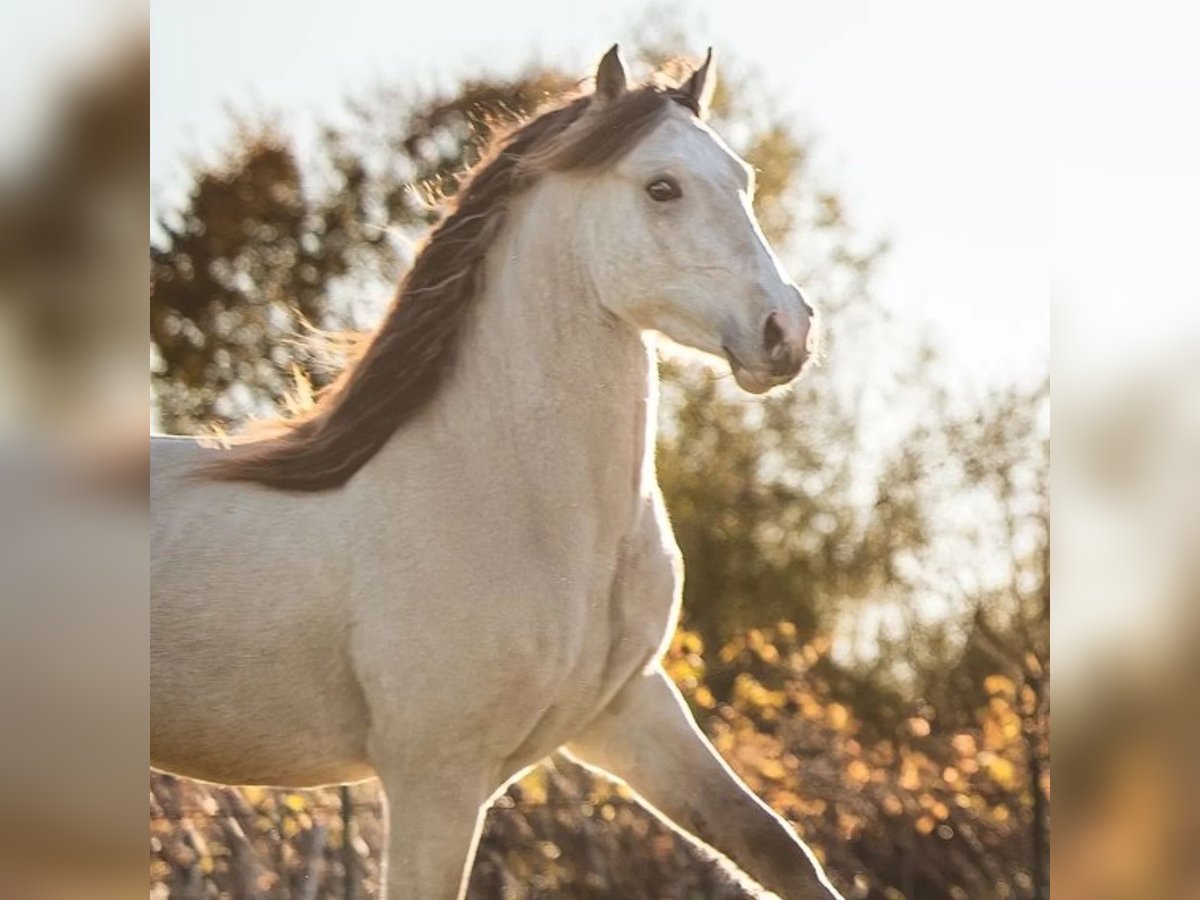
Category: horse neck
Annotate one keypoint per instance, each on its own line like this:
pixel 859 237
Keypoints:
pixel 555 396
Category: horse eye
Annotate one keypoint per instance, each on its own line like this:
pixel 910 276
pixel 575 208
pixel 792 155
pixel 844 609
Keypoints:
pixel 663 189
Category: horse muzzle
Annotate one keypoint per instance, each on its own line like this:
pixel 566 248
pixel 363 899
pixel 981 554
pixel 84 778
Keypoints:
pixel 786 342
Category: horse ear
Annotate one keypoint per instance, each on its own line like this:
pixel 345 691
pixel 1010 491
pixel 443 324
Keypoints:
pixel 702 83
pixel 611 79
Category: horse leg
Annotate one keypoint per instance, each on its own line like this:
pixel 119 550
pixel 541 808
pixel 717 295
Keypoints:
pixel 434 821
pixel 647 738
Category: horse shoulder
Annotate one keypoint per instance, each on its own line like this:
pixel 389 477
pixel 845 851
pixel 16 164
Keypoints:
pixel 622 635
pixel 646 593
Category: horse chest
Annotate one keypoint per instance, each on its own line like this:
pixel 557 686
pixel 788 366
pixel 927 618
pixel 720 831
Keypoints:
pixel 628 616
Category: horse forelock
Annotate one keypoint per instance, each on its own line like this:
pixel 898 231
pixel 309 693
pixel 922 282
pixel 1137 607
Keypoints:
pixel 402 364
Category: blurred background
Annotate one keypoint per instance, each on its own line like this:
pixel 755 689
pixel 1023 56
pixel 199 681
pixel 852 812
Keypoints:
pixel 866 625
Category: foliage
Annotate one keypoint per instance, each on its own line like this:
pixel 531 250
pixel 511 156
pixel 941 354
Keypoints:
pixel 923 811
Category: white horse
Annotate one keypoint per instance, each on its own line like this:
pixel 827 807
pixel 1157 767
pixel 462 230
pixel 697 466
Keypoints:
pixel 460 562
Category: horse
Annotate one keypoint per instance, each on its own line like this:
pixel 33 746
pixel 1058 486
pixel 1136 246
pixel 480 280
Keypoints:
pixel 458 562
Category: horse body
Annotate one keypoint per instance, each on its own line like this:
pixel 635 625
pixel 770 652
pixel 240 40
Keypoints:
pixel 249 672
pixel 486 583
pixel 495 583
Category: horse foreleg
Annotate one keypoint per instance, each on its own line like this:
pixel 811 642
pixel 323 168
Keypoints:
pixel 434 821
pixel 647 738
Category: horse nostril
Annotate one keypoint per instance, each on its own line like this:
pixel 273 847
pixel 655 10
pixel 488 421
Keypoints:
pixel 772 335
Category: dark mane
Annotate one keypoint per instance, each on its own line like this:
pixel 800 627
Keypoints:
pixel 403 363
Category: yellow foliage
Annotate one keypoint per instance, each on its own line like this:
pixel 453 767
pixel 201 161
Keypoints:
pixel 748 689
pixel 815 807
pixel 858 772
pixel 683 661
pixel 772 769
pixel 1028 699
pixel 809 707
pixel 964 744
pixel 849 824
pixel 837 716
pixel 1001 726
pixel 1000 686
pixel 533 787
pixel 910 774
pixel 690 642
pixel 1001 771
pixel 295 802
pixel 730 651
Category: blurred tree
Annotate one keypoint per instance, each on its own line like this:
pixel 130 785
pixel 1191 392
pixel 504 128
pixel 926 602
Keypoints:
pixel 250 258
pixel 260 249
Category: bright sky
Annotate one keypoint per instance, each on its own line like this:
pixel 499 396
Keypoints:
pixel 933 119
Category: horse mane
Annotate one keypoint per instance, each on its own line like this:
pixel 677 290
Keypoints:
pixel 403 363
